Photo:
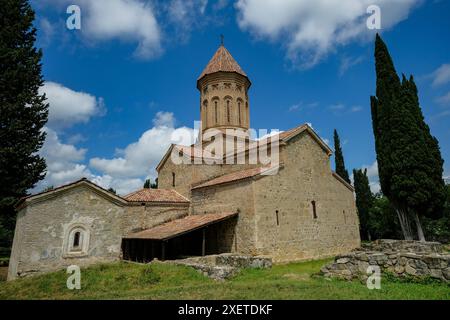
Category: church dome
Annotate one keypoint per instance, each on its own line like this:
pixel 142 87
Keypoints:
pixel 222 61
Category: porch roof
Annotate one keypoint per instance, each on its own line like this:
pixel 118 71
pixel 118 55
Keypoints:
pixel 181 226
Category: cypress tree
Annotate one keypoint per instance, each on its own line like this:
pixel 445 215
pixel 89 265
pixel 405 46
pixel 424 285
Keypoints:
pixel 364 201
pixel 409 160
pixel 147 184
pixel 23 111
pixel 339 158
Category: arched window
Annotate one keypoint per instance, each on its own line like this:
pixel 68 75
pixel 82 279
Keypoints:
pixel 228 111
pixel 239 111
pixel 173 179
pixel 77 241
pixel 205 113
pixel 215 111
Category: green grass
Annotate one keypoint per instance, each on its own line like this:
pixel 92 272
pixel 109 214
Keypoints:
pixel 162 281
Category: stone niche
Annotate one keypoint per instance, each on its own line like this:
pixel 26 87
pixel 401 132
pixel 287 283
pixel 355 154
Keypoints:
pixel 401 258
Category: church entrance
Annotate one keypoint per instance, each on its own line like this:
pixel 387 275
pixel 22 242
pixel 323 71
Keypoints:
pixel 196 235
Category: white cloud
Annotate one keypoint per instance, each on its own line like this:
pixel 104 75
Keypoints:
pixel 140 157
pixel 444 100
pixel 68 107
pixel 122 186
pixel 336 107
pixel 441 75
pixel 302 106
pixel 356 109
pixel 47 31
pixel 348 62
pixel 63 161
pixel 312 29
pixel 132 21
pixel 184 16
pixel 372 174
pixel 126 173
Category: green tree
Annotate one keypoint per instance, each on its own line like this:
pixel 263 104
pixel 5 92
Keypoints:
pixel 383 223
pixel 364 202
pixel 23 111
pixel 439 229
pixel 408 156
pixel 149 185
pixel 154 185
pixel 339 158
pixel 112 190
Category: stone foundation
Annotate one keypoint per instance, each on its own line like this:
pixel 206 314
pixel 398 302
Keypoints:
pixel 223 266
pixel 398 257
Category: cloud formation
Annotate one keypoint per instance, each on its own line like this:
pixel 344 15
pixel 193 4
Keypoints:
pixel 441 75
pixel 139 157
pixel 124 173
pixel 312 29
pixel 68 107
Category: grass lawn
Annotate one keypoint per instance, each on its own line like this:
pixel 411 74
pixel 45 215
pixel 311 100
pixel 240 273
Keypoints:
pixel 162 281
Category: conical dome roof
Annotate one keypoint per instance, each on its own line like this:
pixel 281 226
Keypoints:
pixel 222 61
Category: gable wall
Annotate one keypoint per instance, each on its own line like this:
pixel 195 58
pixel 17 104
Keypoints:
pixel 187 175
pixel 306 176
pixel 42 229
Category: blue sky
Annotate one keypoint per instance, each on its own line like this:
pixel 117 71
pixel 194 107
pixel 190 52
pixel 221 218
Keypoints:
pixel 125 83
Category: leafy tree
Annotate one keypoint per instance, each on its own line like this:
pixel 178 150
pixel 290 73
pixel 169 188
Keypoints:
pixel 149 185
pixel 112 190
pixel 23 111
pixel 409 160
pixel 339 158
pixel 364 202
pixel 383 223
pixel 439 229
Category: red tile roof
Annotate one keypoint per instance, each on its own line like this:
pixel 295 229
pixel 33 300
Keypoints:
pixel 222 61
pixel 181 226
pixel 235 176
pixel 156 195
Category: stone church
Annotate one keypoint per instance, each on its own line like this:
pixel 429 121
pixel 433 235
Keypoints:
pixel 294 208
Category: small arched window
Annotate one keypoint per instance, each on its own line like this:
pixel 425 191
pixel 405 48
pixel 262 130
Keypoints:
pixel 228 111
pixel 215 111
pixel 173 179
pixel 239 111
pixel 76 240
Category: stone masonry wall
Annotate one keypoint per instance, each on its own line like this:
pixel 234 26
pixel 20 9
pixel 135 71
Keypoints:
pixel 398 257
pixel 42 230
pixel 305 177
pixel 236 197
